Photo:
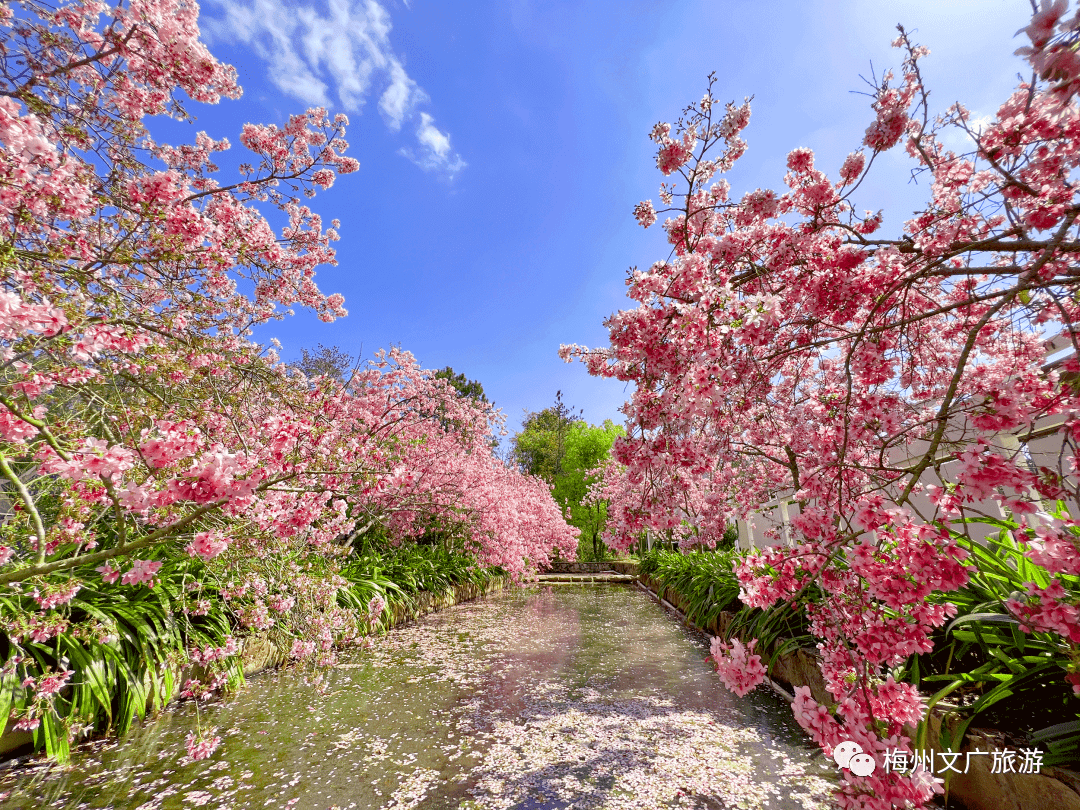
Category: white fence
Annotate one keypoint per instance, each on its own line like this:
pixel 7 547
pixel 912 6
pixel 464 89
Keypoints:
pixel 1043 446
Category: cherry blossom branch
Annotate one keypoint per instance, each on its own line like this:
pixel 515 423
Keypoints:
pixel 28 504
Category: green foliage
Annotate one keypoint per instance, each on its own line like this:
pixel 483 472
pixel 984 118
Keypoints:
pixel 327 361
pixel 540 447
pixel 462 384
pixel 731 537
pixel 707 583
pixel 995 674
pixel 470 389
pixel 984 668
pixel 398 574
pixel 587 447
pixel 411 569
pixel 567 452
pixel 705 580
pixel 779 629
pixel 126 667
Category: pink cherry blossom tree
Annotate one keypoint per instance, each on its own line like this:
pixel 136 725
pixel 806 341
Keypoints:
pixel 131 385
pixel 138 419
pixel 886 384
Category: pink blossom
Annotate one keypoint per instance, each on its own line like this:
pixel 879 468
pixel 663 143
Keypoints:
pixel 302 649
pixel 800 160
pixel 856 402
pixel 211 654
pixel 109 572
pixel 57 595
pixel 740 671
pixel 201 746
pixel 207 545
pixel 1074 679
pixel 376 605
pixel 281 603
pixel 644 213
pixel 50 683
pixel 141 571
pixel 853 167
pixel 1044 21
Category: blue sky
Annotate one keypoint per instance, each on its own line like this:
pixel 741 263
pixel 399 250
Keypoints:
pixel 503 145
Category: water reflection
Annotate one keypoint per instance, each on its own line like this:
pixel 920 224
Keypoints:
pixel 582 697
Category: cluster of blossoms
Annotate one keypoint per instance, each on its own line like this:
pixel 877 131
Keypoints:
pixel 375 607
pixel 40 691
pixel 207 545
pixel 882 389
pixel 209 655
pixel 136 414
pixel 739 669
pixel 201 746
pixel 203 689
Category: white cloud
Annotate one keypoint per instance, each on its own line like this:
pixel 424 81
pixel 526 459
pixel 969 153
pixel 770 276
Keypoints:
pixel 334 56
pixel 957 140
pixel 434 153
pixel 399 96
pixel 437 142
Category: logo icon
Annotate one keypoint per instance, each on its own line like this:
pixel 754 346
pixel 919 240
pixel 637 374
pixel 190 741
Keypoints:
pixel 850 756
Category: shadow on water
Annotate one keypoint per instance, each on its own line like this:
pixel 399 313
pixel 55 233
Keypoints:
pixel 584 697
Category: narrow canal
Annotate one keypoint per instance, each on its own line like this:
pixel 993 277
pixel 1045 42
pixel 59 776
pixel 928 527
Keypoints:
pixel 538 698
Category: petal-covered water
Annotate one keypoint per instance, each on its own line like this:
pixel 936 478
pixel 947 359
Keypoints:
pixel 578 697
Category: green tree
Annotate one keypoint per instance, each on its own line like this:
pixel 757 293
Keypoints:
pixel 586 448
pixel 464 386
pixel 541 445
pixel 470 389
pixel 564 450
pixel 328 361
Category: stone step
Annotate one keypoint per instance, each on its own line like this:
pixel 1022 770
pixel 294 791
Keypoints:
pixel 581 579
